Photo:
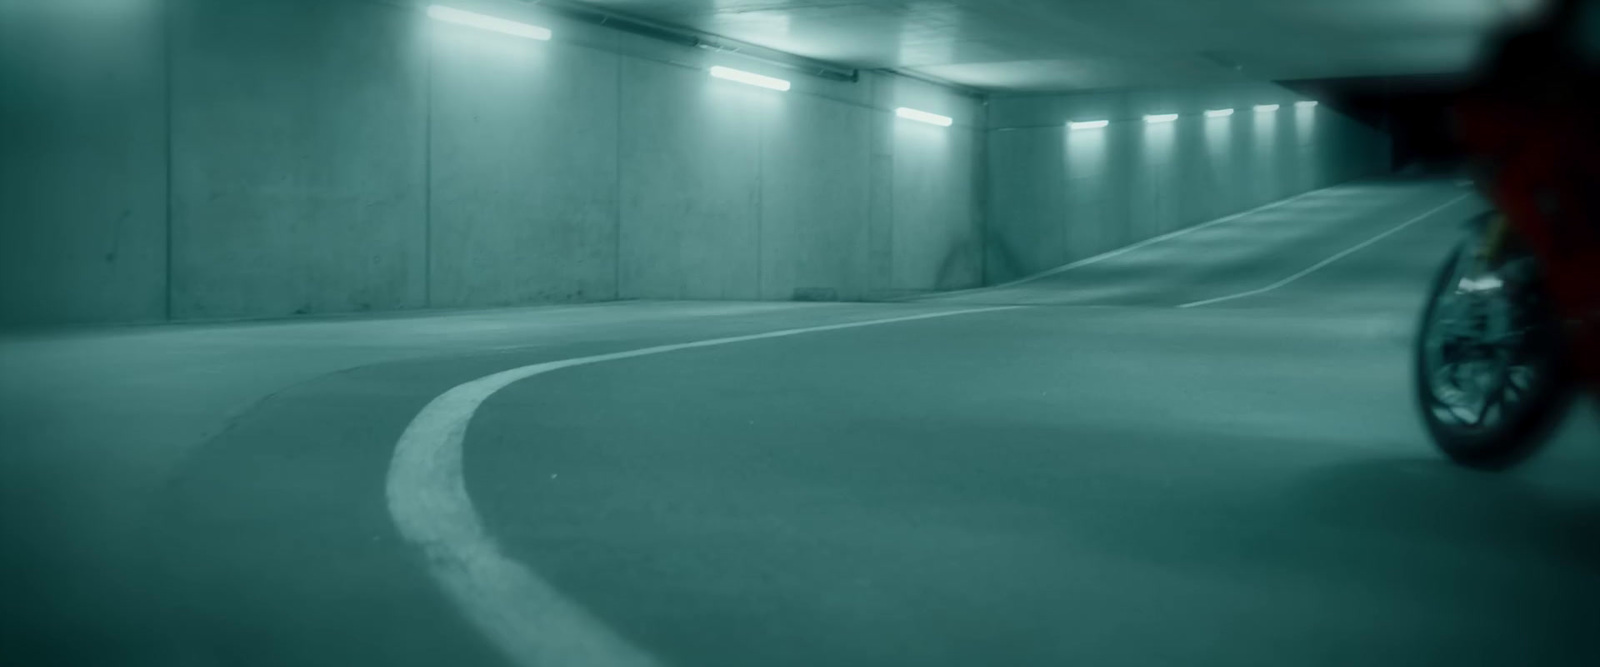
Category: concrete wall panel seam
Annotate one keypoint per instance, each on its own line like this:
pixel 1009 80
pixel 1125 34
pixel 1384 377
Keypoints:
pixel 166 162
pixel 430 55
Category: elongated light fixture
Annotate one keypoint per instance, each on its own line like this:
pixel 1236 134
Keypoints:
pixel 1160 118
pixel 1307 104
pixel 1266 108
pixel 1219 113
pixel 1088 124
pixel 482 22
pixel 924 117
pixel 748 78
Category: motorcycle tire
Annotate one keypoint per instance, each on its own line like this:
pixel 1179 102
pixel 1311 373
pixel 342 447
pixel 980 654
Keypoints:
pixel 1546 401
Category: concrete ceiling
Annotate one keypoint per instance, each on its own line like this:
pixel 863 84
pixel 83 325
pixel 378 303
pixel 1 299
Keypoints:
pixel 1056 45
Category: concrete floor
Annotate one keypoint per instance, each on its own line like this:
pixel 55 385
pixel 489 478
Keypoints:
pixel 1097 478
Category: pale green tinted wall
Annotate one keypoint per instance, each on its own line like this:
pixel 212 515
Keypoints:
pixel 298 158
pixel 217 159
pixel 524 172
pixel 734 192
pixel 1057 195
pixel 351 155
pixel 83 182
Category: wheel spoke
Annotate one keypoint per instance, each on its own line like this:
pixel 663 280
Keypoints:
pixel 1491 400
pixel 1497 396
pixel 1513 391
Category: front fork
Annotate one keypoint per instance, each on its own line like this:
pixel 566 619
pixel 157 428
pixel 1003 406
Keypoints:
pixel 1491 253
pixel 1484 314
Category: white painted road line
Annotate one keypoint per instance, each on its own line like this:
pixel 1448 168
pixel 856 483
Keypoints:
pixel 525 617
pixel 1320 265
pixel 1130 248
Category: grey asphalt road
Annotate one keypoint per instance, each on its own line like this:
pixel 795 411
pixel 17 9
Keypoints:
pixel 1097 477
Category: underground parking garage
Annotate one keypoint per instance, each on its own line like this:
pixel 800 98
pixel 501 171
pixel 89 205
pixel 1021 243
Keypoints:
pixel 793 332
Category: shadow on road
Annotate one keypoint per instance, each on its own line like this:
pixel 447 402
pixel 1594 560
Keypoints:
pixel 1430 500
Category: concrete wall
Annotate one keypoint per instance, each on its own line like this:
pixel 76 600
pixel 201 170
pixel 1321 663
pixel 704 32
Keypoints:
pixel 298 158
pixel 352 155
pixel 83 180
pixel 1057 195
pixel 734 192
pixel 524 170
pixel 192 159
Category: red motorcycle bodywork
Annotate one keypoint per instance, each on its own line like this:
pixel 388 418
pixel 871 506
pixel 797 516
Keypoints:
pixel 1545 179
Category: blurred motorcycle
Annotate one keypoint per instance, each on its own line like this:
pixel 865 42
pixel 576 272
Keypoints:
pixel 1511 332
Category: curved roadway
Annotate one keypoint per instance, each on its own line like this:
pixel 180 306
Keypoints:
pixel 1098 477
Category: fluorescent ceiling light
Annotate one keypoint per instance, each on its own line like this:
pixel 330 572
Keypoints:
pixel 482 22
pixel 1266 108
pixel 1088 124
pixel 1219 113
pixel 1161 118
pixel 924 117
pixel 748 78
pixel 1306 104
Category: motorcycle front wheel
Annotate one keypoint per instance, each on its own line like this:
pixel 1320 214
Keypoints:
pixel 1491 379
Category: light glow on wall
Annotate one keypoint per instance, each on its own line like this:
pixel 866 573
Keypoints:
pixel 924 117
pixel 1269 156
pixel 750 79
pixel 1219 138
pixel 1305 129
pixel 1160 118
pixel 1088 124
pixel 482 22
